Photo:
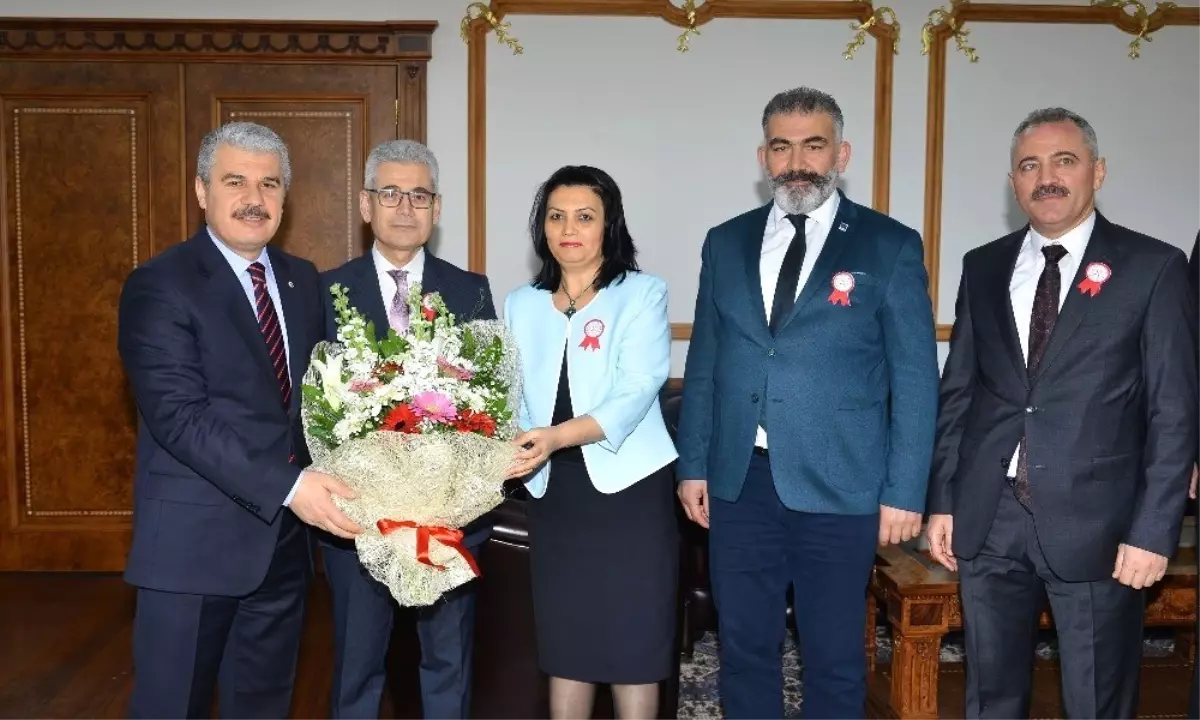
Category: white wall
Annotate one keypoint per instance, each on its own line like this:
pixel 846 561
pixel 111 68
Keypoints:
pixel 678 131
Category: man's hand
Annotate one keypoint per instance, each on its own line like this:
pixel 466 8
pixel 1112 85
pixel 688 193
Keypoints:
pixel 940 534
pixel 542 442
pixel 1138 568
pixel 694 496
pixel 313 503
pixel 896 525
pixel 1192 488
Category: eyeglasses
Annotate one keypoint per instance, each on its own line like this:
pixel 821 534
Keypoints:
pixel 392 197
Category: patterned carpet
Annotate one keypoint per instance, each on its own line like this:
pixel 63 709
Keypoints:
pixel 699 697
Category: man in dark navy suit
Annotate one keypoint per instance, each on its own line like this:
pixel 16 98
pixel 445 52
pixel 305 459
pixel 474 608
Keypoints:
pixel 1066 435
pixel 402 204
pixel 215 335
pixel 1194 272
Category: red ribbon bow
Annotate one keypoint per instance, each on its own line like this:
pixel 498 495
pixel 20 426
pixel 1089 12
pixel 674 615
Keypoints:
pixel 447 536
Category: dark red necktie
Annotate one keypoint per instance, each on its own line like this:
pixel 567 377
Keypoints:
pixel 268 323
pixel 1041 324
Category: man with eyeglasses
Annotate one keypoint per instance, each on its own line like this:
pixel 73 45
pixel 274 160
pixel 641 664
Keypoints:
pixel 400 200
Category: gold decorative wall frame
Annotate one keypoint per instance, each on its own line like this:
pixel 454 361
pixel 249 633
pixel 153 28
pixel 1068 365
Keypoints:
pixel 948 23
pixel 876 22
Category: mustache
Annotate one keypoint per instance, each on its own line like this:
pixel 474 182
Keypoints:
pixel 255 212
pixel 807 176
pixel 1044 191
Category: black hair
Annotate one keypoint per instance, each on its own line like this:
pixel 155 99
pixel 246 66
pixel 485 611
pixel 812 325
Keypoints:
pixel 617 251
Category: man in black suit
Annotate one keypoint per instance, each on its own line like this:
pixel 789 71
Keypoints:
pixel 1066 433
pixel 215 334
pixel 402 204
pixel 1194 698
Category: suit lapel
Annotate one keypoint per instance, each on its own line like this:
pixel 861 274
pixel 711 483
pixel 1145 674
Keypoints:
pixel 431 276
pixel 998 283
pixel 223 284
pixel 1100 248
pixel 845 225
pixel 366 295
pixel 293 317
pixel 756 227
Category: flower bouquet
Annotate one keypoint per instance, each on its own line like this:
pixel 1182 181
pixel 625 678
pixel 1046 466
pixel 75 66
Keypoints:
pixel 418 425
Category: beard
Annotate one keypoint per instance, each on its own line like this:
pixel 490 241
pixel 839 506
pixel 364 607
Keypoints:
pixel 797 200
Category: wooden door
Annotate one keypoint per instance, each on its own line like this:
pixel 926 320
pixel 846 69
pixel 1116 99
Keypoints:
pixel 329 116
pixel 91 187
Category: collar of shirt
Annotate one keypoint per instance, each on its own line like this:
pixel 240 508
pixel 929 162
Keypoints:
pixel 1074 241
pixel 415 267
pixel 239 263
pixel 821 217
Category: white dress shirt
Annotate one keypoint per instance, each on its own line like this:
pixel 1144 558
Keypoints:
pixel 1023 287
pixel 387 286
pixel 777 237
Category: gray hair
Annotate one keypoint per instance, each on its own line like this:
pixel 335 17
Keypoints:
pixel 399 151
pixel 805 101
pixel 243 136
pixel 1050 116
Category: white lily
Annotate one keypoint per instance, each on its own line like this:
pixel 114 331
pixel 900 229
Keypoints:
pixel 332 384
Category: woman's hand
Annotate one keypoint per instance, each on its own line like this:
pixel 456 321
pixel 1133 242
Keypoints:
pixel 541 442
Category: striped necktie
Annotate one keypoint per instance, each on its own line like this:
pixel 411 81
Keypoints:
pixel 1041 325
pixel 268 323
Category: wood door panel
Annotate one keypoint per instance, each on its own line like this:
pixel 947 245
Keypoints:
pixel 90 183
pixel 329 116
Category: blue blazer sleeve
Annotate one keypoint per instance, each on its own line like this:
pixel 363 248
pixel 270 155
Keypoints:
pixel 911 347
pixel 159 349
pixel 696 414
pixel 643 361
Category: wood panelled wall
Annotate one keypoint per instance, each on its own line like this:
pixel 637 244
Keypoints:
pixel 100 124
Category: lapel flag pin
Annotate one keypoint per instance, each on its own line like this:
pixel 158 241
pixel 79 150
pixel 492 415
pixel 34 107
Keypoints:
pixel 842 284
pixel 1096 275
pixel 591 334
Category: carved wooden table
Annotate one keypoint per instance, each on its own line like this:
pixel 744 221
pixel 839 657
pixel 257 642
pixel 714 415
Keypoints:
pixel 922 604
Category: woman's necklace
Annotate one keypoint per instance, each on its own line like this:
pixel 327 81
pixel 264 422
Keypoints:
pixel 571 310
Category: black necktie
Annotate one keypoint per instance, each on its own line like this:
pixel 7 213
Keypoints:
pixel 789 276
pixel 1041 324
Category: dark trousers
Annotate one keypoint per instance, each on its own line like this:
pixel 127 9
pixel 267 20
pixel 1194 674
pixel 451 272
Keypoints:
pixel 1194 700
pixel 1099 626
pixel 186 646
pixel 1194 696
pixel 362 623
pixel 757 548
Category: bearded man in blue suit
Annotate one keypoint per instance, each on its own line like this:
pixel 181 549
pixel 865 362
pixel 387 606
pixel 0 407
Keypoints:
pixel 813 327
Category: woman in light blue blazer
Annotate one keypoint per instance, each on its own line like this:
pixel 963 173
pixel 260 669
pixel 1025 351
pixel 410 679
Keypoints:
pixel 595 349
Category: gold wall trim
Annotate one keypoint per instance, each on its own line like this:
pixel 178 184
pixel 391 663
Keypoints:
pixel 935 119
pixel 317 115
pixel 27 470
pixel 475 33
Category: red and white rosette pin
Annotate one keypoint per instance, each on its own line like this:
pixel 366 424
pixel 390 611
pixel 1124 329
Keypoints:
pixel 1094 277
pixel 592 330
pixel 842 283
pixel 427 307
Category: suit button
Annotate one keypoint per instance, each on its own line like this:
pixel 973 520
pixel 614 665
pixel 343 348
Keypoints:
pixel 754 397
pixel 771 352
